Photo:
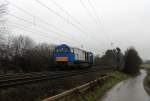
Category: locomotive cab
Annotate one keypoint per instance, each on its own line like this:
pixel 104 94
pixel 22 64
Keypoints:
pixel 63 53
pixel 74 57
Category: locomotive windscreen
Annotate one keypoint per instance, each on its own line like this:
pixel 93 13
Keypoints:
pixel 62 49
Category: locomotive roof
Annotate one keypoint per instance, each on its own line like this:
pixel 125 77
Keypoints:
pixel 64 45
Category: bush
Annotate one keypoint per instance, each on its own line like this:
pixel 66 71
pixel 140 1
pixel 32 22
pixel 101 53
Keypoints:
pixel 132 61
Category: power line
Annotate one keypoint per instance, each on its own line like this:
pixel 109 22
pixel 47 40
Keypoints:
pixel 40 26
pixel 40 20
pixel 30 22
pixel 91 15
pixel 65 19
pixel 31 31
pixel 26 12
pixel 37 32
pixel 43 21
pixel 88 11
pixel 51 10
pixel 92 6
pixel 34 23
pixel 67 13
pixel 98 19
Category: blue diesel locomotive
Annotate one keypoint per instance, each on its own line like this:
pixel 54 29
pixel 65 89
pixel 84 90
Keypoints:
pixel 72 57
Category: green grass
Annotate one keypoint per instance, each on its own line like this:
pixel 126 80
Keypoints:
pixel 147 81
pixel 100 91
pixel 145 66
pixel 148 77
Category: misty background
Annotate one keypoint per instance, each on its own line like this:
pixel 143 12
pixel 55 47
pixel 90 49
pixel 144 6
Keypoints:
pixel 94 25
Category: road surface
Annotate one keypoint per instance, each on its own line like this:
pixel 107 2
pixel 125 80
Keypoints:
pixel 128 90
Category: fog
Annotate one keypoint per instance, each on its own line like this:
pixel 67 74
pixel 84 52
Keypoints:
pixel 95 25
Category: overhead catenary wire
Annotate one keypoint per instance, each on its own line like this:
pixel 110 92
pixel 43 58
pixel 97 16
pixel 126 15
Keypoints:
pixel 60 16
pixel 32 23
pixel 88 11
pixel 43 21
pixel 99 20
pixel 65 19
pixel 34 17
pixel 31 31
pixel 47 24
pixel 91 15
pixel 95 12
pixel 40 26
pixel 37 32
pixel 69 15
pixel 96 18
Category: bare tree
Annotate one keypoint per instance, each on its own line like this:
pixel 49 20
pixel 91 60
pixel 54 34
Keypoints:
pixel 4 41
pixel 39 59
pixel 3 10
pixel 22 43
pixel 6 53
pixel 3 28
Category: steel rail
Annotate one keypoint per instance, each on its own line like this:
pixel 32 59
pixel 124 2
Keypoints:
pixel 79 89
pixel 30 78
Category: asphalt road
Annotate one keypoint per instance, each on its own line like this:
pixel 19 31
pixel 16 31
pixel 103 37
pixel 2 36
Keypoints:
pixel 128 90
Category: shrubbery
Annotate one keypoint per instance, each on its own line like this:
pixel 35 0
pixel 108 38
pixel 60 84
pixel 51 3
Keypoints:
pixel 22 54
pixel 132 61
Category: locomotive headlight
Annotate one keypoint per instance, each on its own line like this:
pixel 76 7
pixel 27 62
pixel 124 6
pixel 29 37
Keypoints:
pixel 61 58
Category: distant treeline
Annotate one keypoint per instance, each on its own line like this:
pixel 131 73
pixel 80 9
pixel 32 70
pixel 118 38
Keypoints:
pixel 112 57
pixel 147 61
pixel 22 54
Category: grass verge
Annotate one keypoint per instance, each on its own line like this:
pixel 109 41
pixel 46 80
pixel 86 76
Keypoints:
pixel 145 66
pixel 108 84
pixel 147 79
pixel 46 88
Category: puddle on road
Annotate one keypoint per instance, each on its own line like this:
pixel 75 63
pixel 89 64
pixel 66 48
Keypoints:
pixel 128 90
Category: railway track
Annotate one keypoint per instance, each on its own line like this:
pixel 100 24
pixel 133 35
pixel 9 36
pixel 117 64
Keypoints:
pixel 20 79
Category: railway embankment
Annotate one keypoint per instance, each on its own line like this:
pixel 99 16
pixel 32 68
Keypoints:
pixel 107 85
pixel 91 91
pixel 40 90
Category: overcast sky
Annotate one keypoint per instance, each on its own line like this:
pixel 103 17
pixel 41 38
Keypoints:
pixel 90 24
